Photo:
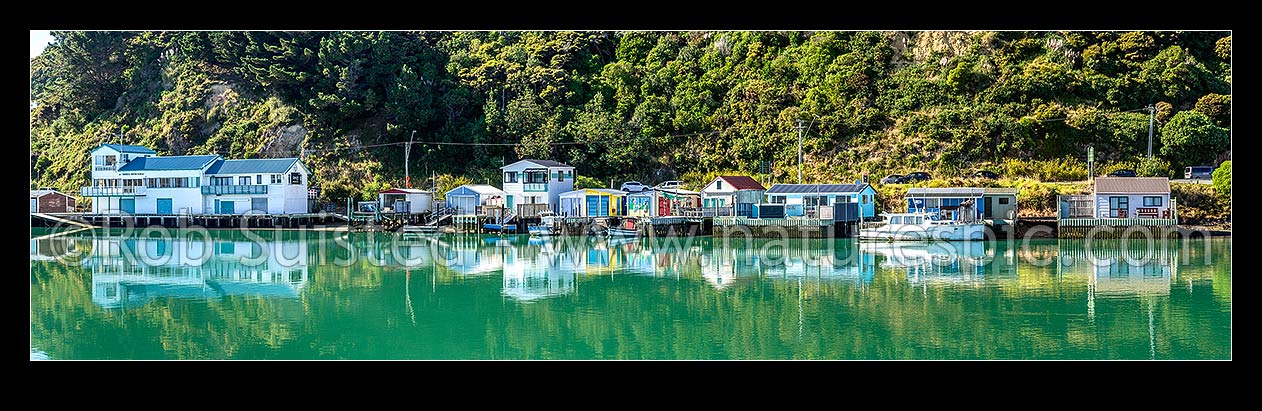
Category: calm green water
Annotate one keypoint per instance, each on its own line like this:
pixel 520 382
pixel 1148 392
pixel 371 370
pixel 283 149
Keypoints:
pixel 310 295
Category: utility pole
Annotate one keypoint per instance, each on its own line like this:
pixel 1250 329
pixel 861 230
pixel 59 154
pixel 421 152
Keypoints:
pixel 800 128
pixel 1152 114
pixel 407 161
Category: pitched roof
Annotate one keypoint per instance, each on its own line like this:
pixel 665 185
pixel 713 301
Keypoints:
pixel 1138 185
pixel 42 192
pixel 168 163
pixel 545 163
pixel 815 188
pixel 944 192
pixel 743 183
pixel 405 191
pixel 127 148
pixel 480 189
pixel 250 166
pixel 1001 190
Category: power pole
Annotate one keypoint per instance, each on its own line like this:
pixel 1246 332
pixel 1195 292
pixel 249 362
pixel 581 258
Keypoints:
pixel 1152 114
pixel 800 128
pixel 407 161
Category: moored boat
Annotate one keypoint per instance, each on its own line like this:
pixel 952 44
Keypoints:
pixel 922 227
pixel 547 225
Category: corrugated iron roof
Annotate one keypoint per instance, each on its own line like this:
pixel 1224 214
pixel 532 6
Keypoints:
pixel 944 192
pixel 251 166
pixel 815 188
pixel 168 163
pixel 405 191
pixel 41 193
pixel 743 183
pixel 480 189
pixel 1128 185
pixel 545 163
pixel 127 148
pixel 1000 190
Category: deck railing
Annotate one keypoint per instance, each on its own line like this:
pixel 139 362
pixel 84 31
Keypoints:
pixel 111 191
pixel 238 189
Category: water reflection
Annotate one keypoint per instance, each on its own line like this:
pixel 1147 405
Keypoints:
pixel 130 271
pixel 361 296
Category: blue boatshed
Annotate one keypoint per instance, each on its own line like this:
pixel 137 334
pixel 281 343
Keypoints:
pixel 796 197
pixel 467 198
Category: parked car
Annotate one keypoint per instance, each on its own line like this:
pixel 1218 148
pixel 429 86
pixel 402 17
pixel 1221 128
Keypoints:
pixel 633 187
pixel 916 176
pixel 1122 173
pixel 669 185
pixel 1198 172
pixel 894 179
pixel 987 174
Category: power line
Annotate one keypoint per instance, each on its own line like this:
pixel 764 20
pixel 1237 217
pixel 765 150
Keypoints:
pixel 475 144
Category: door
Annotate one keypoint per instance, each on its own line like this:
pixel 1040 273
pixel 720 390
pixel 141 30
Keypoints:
pixel 464 205
pixel 604 206
pixel 224 207
pixel 986 203
pixel 164 206
pixel 509 201
pixel 127 205
pixel 593 206
pixel 258 204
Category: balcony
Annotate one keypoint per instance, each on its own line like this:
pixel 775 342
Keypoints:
pixel 540 187
pixel 246 189
pixel 104 168
pixel 112 191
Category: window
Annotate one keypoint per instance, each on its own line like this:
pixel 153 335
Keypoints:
pixel 276 178
pixel 243 180
pixel 920 220
pixel 815 200
pixel 510 176
pixel 777 199
pixel 295 178
pixel 1152 201
pixel 104 160
pixel 561 176
pixel 1003 200
pixel 258 179
pixel 220 181
pixel 896 220
pixel 718 184
pixel 536 176
pixel 867 198
pixel 1119 207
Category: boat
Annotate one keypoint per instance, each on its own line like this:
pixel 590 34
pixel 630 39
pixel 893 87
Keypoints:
pixel 547 225
pixel 923 226
pixel 628 229
pixel 623 232
pixel 418 229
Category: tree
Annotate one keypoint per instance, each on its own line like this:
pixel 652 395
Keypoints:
pixel 1217 107
pixel 1222 179
pixel 1191 138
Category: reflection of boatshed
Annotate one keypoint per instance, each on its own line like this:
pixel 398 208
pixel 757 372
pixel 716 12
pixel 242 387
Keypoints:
pixel 467 198
pixel 406 200
pixel 593 202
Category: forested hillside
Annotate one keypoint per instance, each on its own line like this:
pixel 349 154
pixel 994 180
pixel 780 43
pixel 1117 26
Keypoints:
pixel 632 105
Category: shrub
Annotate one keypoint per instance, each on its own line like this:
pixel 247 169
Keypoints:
pixel 1064 169
pixel 1222 180
pixel 1153 167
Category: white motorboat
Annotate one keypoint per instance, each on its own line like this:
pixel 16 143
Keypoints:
pixel 547 225
pixel 922 227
